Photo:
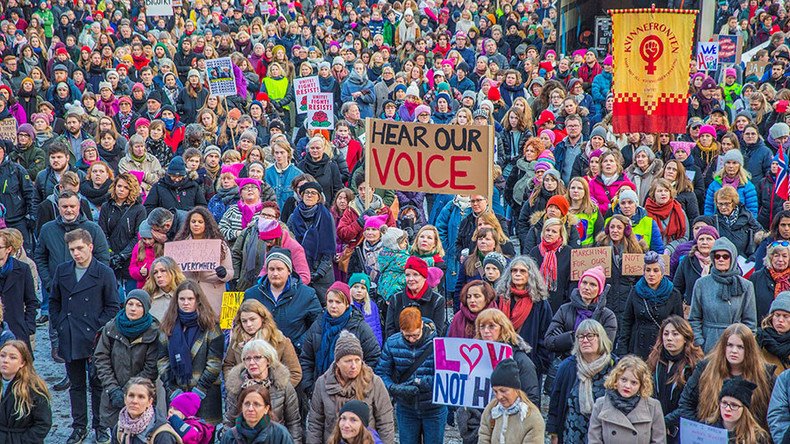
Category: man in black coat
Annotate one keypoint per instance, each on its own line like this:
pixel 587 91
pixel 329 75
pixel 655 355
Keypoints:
pixel 84 297
pixel 175 190
pixel 18 196
pixel 17 291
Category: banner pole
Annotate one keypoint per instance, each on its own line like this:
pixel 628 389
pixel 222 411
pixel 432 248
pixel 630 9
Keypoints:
pixel 368 197
pixel 491 165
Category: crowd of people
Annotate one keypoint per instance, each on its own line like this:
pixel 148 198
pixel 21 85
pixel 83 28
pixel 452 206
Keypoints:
pixel 118 145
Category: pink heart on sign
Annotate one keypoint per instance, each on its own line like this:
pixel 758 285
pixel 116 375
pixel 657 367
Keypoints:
pixel 472 350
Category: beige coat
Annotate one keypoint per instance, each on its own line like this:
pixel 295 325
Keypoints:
pixel 159 303
pixel 531 430
pixel 213 287
pixel 644 425
pixel 150 166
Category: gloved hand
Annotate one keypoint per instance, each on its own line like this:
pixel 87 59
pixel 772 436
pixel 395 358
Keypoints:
pixel 117 398
pixel 116 260
pixel 221 272
pixel 175 393
pixel 407 391
pixel 199 392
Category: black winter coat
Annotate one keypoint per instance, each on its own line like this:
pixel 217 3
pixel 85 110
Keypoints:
pixel 325 172
pixel 188 106
pixel 768 209
pixel 120 224
pixel 431 305
pixel 763 291
pixel 560 335
pixel 687 274
pixel 184 195
pixel 642 321
pixel 560 294
pixel 312 343
pixel 741 232
pixel 688 200
pixel 619 288
pixel 79 309
pixel 30 429
pixel 20 303
pixel 18 193
pixel 51 250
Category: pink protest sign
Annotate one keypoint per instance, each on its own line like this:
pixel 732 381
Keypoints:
pixel 463 370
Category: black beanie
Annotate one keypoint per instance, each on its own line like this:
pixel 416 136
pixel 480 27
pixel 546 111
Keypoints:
pixel 740 389
pixel 506 374
pixel 358 408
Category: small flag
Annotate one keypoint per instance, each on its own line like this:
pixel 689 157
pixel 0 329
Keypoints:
pixel 782 187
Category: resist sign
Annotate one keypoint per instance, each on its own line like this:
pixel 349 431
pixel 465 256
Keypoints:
pixel 463 370
pixel 430 158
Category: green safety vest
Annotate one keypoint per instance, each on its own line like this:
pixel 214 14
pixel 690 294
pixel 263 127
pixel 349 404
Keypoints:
pixel 643 229
pixel 276 89
pixel 587 227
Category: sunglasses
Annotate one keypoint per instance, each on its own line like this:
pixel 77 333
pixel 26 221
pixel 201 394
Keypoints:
pixel 721 256
pixel 780 244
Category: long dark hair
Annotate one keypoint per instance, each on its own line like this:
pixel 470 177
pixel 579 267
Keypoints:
pixel 207 319
pixel 692 353
pixel 212 229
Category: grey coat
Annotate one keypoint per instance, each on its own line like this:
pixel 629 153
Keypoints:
pixel 329 396
pixel 644 425
pixel 710 313
pixel 285 404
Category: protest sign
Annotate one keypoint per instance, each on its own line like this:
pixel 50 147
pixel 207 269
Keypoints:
pixel 582 259
pixel 696 433
pixel 754 69
pixel 729 49
pixel 320 111
pixel 8 130
pixel 195 255
pixel 707 56
pixel 231 300
pixel 158 7
pixel 634 264
pixel 443 159
pixel 302 87
pixel 463 370
pixel 221 80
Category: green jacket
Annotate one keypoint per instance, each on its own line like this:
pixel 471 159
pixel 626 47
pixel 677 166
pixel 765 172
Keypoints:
pixel 32 159
pixel 47 21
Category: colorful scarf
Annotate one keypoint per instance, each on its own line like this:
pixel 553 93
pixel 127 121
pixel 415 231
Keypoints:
pixel 248 212
pixel 518 307
pixel 704 262
pixel 129 427
pixel 672 213
pixel 782 279
pixel 548 268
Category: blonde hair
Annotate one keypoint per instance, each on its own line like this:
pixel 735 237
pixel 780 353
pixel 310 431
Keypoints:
pixel 490 218
pixel 268 331
pixel 437 250
pixel 728 192
pixel 640 370
pixel 26 382
pixel 586 206
pixel 507 334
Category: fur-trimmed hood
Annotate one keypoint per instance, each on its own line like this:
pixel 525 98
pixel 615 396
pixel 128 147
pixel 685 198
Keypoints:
pixel 537 219
pixel 278 374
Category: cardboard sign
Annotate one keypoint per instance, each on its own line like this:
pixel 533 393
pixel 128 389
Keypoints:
pixel 696 433
pixel 754 69
pixel 231 301
pixel 302 87
pixel 221 79
pixel 320 111
pixel 159 7
pixel 730 49
pixel 463 370
pixel 634 264
pixel 8 130
pixel 443 159
pixel 582 259
pixel 195 255
pixel 707 56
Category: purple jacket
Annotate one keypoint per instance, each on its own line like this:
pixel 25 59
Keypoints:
pixel 373 319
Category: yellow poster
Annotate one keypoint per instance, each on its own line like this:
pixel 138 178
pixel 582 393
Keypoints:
pixel 231 301
pixel 651 60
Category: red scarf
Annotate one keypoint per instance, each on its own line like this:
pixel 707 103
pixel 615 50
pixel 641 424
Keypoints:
pixel 672 212
pixel 140 62
pixel 782 279
pixel 521 309
pixel 549 266
pixel 418 296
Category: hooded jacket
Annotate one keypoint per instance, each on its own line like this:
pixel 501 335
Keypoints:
pixel 560 334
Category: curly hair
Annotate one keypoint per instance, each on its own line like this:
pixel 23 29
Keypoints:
pixel 536 285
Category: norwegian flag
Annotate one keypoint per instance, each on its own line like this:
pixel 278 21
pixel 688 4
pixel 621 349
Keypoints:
pixel 782 187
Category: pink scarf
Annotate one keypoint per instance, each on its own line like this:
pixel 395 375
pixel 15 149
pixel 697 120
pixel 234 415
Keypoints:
pixel 248 212
pixel 704 261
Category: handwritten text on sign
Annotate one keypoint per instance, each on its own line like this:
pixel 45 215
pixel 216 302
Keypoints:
pixel 302 87
pixel 695 433
pixel 195 255
pixel 582 259
pixel 430 158
pixel 8 129
pixel 231 301
pixel 463 370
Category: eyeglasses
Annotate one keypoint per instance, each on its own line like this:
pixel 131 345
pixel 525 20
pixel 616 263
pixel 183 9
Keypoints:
pixel 310 193
pixel 724 204
pixel 412 337
pixel 720 257
pixel 488 327
pixel 252 359
pixel 730 407
pixel 587 337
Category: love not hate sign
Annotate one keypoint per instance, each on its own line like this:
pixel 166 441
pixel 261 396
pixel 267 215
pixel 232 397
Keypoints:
pixel 449 159
pixel 463 370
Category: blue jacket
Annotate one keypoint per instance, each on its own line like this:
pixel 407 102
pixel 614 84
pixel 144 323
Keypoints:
pixel 601 86
pixel 746 192
pixel 365 101
pixel 448 223
pixel 294 311
pixel 281 182
pixel 778 411
pixel 398 355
